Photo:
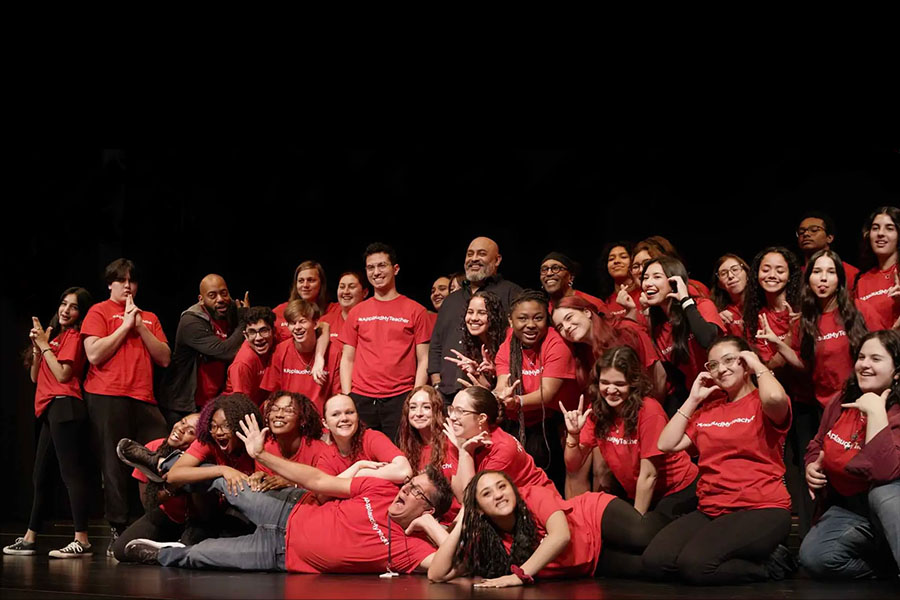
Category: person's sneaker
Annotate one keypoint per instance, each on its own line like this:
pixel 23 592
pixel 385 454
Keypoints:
pixel 781 563
pixel 74 550
pixel 136 455
pixel 21 548
pixel 113 536
pixel 146 551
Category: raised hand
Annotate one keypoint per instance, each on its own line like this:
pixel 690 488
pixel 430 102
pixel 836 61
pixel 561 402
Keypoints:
pixel 894 290
pixel 132 312
pixel 575 419
pixel 40 337
pixel 451 437
pixel 507 393
pixel 679 288
pixel 483 439
pixel 254 439
pixel 727 317
pixel 645 302
pixel 624 298
pixel 703 386
pixel 792 314
pixel 815 476
pixel 751 360
pixel 462 361
pixel 487 365
pixel 765 331
pixel 870 401
pixel 245 303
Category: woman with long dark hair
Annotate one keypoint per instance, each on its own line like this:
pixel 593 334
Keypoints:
pixel 776 281
pixel 727 291
pixel 615 277
pixel 511 534
pixel 853 468
pixel 56 362
pixel 737 431
pixel 878 283
pixel 484 329
pixel 656 246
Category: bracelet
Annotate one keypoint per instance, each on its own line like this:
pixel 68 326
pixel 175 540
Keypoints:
pixel 568 445
pixel 45 350
pixel 678 410
pixel 770 372
pixel 518 572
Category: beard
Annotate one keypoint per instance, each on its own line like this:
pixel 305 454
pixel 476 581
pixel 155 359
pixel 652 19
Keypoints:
pixel 480 275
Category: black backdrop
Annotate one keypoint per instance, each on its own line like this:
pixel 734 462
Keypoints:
pixel 253 213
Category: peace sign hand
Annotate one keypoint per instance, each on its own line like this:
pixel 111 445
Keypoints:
pixel 765 332
pixel 245 303
pixel 462 361
pixel 894 290
pixel 575 419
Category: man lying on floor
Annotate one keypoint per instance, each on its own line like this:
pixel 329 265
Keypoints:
pixel 372 529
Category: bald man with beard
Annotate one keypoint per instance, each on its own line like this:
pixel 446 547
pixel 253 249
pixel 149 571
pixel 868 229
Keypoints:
pixel 206 342
pixel 481 266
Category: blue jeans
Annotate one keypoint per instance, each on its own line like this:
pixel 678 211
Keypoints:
pixel 845 545
pixel 262 550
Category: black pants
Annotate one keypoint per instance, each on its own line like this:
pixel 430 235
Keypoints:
pixel 804 426
pixel 62 443
pixel 113 418
pixel 155 525
pixel 624 538
pixel 732 548
pixel 543 441
pixel 381 414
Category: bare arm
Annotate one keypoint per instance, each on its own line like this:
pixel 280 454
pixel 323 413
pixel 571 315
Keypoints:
pixel 658 380
pixel 40 339
pixel 775 401
pixel 646 484
pixel 347 358
pixel 187 469
pixel 395 471
pixel 440 567
pixel 159 350
pixel 100 349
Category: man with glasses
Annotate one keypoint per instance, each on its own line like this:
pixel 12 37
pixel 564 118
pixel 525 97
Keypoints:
pixel 481 265
pixel 371 528
pixel 206 341
pixel 246 371
pixel 557 275
pixel 816 232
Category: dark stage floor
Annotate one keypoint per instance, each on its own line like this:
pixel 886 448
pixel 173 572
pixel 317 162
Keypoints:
pixel 101 577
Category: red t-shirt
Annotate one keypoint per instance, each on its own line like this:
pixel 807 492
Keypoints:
pixel 211 453
pixel 614 309
pixel 68 349
pixel 175 507
pixel 376 447
pixel 623 453
pixel 584 515
pixel 644 347
pixel 335 320
pixel 740 456
pixel 281 325
pixel 128 372
pixel 307 454
pixel 872 289
pixel 504 454
pixel 385 335
pixel 553 358
pixel 599 304
pixel 736 327
pixel 210 372
pixel 292 371
pixel 842 442
pixel 352 535
pixel 850 272
pixel 779 322
pixel 246 372
pixel 697 353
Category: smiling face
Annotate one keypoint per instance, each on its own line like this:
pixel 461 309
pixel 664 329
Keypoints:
pixel 440 289
pixel 613 387
pixel 823 278
pixel 420 414
pixel 883 236
pixel 618 264
pixel 282 416
pixel 727 368
pixel 350 292
pixel 184 432
pixel 411 501
pixel 573 324
pixel 655 285
pixel 380 272
pixel 731 277
pixel 477 319
pixel 637 265
pixel 259 336
pixel 773 273
pixel 529 322
pixel 555 277
pixel 214 296
pixel 875 369
pixel 309 284
pixel 221 432
pixel 303 331
pixel 482 259
pixel 340 416
pixel 495 495
pixel 464 419
pixel 68 311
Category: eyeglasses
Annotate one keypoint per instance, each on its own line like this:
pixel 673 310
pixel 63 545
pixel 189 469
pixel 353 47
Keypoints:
pixel 554 269
pixel 813 229
pixel 727 361
pixel 638 266
pixel 252 333
pixel 285 410
pixel 410 488
pixel 224 428
pixel 735 270
pixel 454 410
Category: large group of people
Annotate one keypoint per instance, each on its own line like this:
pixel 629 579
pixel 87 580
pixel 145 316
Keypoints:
pixel 662 429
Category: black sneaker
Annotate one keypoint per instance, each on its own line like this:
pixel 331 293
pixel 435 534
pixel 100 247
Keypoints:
pixel 113 536
pixel 74 550
pixel 136 455
pixel 21 548
pixel 781 563
pixel 146 551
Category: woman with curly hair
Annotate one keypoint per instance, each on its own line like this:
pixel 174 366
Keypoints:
pixel 769 300
pixel 56 360
pixel 878 283
pixel 853 468
pixel 484 329
pixel 729 281
pixel 295 432
pixel 510 535
pixel 354 449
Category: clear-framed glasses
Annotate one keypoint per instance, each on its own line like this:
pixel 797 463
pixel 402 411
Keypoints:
pixel 813 229
pixel 637 267
pixel 410 488
pixel 553 269
pixel 735 270
pixel 284 410
pixel 455 410
pixel 727 361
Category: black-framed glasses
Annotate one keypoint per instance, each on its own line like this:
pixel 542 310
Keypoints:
pixel 553 269
pixel 638 266
pixel 735 270
pixel 455 410
pixel 727 361
pixel 415 491
pixel 224 428
pixel 813 229
pixel 252 333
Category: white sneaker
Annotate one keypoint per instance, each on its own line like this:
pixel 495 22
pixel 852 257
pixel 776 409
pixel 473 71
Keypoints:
pixel 74 550
pixel 158 545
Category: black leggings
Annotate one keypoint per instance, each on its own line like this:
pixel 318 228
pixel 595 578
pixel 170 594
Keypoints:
pixel 543 442
pixel 626 533
pixel 155 525
pixel 732 548
pixel 62 441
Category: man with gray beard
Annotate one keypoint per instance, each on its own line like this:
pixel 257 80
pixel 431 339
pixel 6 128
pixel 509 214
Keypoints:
pixel 482 260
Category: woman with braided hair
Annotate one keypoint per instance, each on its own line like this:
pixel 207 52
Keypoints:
pixel 535 373
pixel 510 534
